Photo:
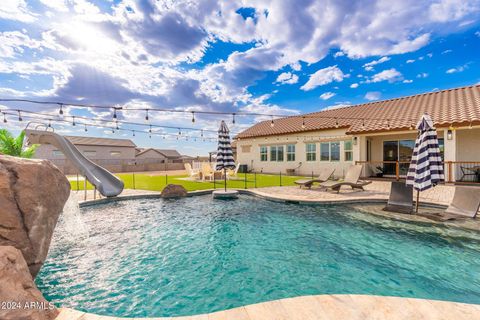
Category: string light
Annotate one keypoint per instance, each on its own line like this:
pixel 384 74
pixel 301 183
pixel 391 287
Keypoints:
pixel 61 109
pixel 146 115
pixel 272 124
pixel 133 133
pixel 86 128
pixel 19 116
pixel 303 122
pixel 113 131
pixel 49 123
pixel 193 116
pixel 4 118
pixel 114 113
pixel 179 132
pixel 201 134
pixel 150 129
pixel 363 123
pixel 73 121
pixel 233 118
pixel 336 122
pixel 116 125
pixel 388 125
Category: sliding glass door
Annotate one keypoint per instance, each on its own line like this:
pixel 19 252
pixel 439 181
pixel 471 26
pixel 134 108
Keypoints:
pixel 397 150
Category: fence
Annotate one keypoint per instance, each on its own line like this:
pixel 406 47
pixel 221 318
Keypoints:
pixel 124 165
pixel 459 172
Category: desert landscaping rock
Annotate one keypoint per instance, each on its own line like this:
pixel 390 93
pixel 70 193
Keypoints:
pixel 19 295
pixel 32 196
pixel 174 191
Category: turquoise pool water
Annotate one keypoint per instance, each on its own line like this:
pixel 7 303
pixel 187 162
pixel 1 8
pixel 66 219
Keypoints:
pixel 197 255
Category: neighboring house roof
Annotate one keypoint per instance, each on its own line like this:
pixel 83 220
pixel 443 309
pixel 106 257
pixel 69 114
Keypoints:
pixel 93 141
pixel 459 106
pixel 168 153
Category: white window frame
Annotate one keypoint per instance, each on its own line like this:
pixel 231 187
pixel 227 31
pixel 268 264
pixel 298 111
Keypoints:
pixel 263 152
pixel 311 152
pixel 348 151
pixel 291 153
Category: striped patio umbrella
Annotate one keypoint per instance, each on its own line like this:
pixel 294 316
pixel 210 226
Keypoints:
pixel 426 167
pixel 224 151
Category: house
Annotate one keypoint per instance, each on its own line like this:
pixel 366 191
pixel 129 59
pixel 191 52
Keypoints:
pixel 162 155
pixel 380 135
pixel 95 149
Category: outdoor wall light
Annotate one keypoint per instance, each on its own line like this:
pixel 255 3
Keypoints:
pixel 355 141
pixel 449 134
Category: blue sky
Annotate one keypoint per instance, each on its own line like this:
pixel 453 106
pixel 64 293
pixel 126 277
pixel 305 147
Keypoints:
pixel 272 57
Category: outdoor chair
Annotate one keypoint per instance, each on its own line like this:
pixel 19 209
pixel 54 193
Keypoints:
pixel 465 204
pixel 467 172
pixel 232 174
pixel 324 175
pixel 400 199
pixel 195 174
pixel 351 179
pixel 207 172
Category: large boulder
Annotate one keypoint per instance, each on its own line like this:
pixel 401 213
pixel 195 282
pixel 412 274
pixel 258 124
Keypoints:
pixel 32 196
pixel 19 296
pixel 174 191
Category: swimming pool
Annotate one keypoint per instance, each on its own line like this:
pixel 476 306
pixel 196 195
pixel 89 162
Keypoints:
pixel 155 257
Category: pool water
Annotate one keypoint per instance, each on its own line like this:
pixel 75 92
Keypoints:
pixel 198 255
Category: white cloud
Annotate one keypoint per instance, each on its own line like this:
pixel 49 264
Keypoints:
pixel 354 85
pixel 287 78
pixel 338 54
pixel 407 81
pixel 327 95
pixel 369 66
pixel 410 61
pixel 373 95
pixel 477 34
pixel 16 10
pixel 457 69
pixel 390 75
pixel 422 75
pixel 13 43
pixel 323 77
pixel 452 10
pixel 58 5
pixel 447 51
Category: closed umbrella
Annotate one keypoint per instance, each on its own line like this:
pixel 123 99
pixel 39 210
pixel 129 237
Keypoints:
pixel 426 167
pixel 224 151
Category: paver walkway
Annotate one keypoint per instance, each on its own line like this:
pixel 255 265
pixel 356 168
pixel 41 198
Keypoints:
pixel 326 307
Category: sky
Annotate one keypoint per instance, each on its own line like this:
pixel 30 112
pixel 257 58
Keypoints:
pixel 280 57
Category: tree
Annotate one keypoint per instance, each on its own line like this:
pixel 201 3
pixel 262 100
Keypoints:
pixel 12 146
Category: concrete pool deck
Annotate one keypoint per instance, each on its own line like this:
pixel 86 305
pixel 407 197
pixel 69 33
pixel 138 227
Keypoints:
pixel 324 307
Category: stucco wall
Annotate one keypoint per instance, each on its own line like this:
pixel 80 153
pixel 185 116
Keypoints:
pixel 46 151
pixel 468 144
pixel 252 158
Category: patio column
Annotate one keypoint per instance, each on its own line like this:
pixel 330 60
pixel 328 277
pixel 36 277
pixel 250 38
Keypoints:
pixel 360 151
pixel 450 153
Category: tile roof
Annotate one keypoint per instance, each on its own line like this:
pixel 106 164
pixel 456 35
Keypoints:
pixel 458 106
pixel 94 141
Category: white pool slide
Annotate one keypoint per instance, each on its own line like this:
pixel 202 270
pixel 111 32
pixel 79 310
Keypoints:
pixel 105 182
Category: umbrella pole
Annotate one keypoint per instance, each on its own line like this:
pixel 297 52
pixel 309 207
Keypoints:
pixel 416 203
pixel 225 177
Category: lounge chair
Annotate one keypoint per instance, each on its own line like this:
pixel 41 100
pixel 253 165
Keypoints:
pixel 324 175
pixel 195 174
pixel 351 179
pixel 465 204
pixel 401 198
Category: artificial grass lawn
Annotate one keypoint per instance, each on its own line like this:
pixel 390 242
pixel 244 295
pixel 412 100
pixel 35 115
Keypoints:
pixel 157 183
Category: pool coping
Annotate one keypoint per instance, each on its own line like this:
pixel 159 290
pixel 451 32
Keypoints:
pixel 327 306
pixel 254 192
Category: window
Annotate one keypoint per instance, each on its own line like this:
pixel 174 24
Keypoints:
pixel 57 153
pixel 347 146
pixel 324 151
pixel 115 153
pixel 263 154
pixel 273 153
pixel 276 153
pixel 311 151
pixel 280 153
pixel 89 153
pixel 335 151
pixel 291 152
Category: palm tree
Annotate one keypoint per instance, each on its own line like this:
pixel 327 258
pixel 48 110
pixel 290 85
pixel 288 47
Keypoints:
pixel 13 146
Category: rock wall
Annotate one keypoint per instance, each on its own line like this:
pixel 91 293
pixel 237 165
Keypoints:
pixel 32 196
pixel 19 297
